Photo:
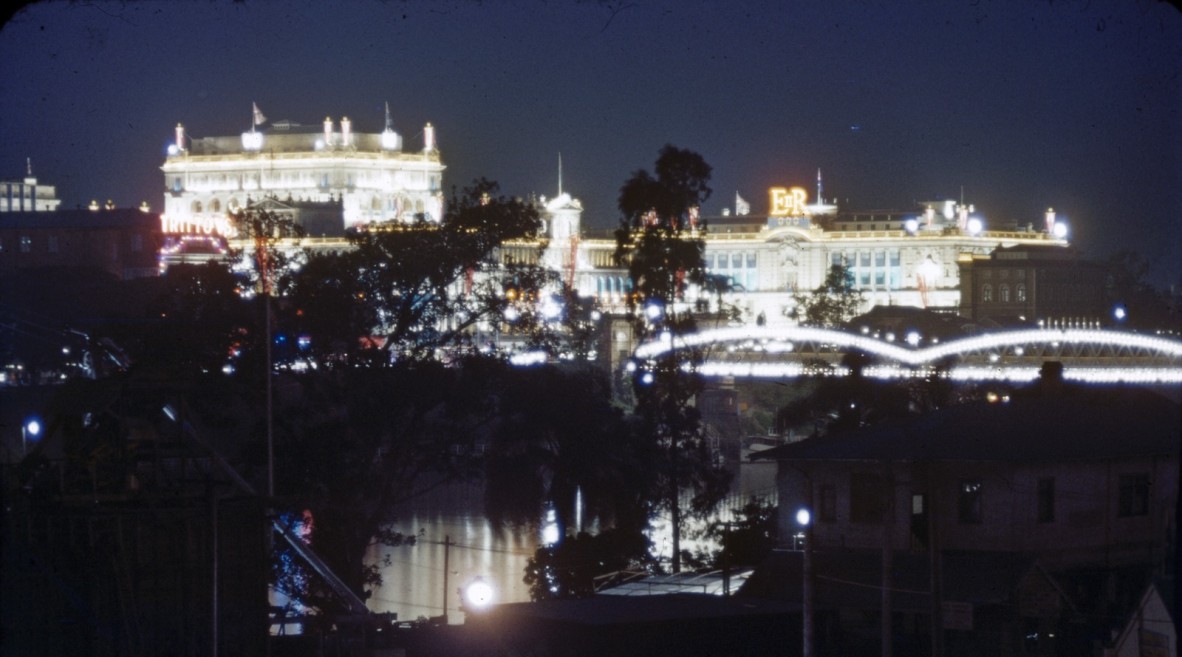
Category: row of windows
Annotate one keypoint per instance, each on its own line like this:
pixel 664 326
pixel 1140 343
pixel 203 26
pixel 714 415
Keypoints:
pixel 399 204
pixel 1003 293
pixel 229 182
pixel 612 285
pixel 872 270
pixel 739 267
pixel 867 504
pixel 24 244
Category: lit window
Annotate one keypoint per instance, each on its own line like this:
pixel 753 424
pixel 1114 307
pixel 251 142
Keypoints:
pixel 1003 293
pixel 987 293
pixel 1020 292
pixel 969 502
pixel 26 244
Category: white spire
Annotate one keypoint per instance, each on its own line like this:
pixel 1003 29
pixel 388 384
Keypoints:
pixel 560 173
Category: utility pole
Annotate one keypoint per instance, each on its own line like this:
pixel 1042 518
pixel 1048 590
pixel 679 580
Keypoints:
pixel 888 524
pixel 446 572
pixel 807 590
pixel 937 593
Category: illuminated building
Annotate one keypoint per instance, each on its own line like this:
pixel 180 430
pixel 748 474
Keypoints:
pixel 896 258
pixel 27 195
pixel 367 174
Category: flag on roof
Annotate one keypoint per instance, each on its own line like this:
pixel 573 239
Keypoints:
pixel 741 206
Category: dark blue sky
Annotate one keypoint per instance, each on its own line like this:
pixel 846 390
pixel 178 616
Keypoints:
pixel 1024 104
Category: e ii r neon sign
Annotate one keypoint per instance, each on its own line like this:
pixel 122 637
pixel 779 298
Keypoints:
pixel 788 202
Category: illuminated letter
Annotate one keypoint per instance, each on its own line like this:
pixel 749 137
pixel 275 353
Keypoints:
pixel 788 202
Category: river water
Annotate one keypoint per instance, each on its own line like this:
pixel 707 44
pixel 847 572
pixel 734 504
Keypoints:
pixel 413 582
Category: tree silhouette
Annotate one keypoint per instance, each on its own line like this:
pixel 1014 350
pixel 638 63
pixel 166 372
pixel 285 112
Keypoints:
pixel 660 240
pixel 832 304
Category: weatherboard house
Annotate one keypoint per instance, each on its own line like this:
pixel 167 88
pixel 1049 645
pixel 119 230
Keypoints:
pixel 1042 514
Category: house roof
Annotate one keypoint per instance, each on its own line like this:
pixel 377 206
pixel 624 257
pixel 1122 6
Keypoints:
pixel 81 218
pixel 1034 426
pixel 613 610
pixel 853 578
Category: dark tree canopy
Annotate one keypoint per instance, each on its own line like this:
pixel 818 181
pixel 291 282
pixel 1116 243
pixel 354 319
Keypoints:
pixel 662 243
pixel 832 304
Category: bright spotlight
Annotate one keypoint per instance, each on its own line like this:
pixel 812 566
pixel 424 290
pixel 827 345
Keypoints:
pixel 911 225
pixel 975 226
pixel 33 427
pixel 478 595
pixel 1059 230
pixel 803 517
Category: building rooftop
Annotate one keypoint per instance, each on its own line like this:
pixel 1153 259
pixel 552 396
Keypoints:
pixel 1036 425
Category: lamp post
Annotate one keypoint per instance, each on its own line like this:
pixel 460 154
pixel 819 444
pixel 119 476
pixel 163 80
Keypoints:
pixel 30 428
pixel 804 519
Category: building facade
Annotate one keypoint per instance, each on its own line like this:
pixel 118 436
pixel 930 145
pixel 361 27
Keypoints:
pixel 368 174
pixel 27 195
pixel 123 241
pixel 899 258
pixel 1022 285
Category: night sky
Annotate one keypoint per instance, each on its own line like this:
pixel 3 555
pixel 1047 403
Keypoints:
pixel 1022 104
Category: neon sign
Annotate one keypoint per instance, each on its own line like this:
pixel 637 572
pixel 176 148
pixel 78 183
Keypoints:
pixel 199 225
pixel 788 202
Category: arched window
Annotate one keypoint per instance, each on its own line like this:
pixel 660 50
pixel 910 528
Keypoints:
pixel 986 293
pixel 1003 293
pixel 196 207
pixel 215 206
pixel 1021 292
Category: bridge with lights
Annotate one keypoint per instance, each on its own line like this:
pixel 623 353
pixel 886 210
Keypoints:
pixel 1088 355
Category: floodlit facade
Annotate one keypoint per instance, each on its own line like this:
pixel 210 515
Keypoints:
pixel 368 174
pixel 27 195
pixel 896 258
pixel 349 180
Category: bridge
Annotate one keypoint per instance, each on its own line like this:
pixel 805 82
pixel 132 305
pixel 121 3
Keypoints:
pixel 1089 355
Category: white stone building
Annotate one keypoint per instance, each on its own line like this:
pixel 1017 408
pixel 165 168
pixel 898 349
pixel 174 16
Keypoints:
pixel 367 173
pixel 27 195
pixel 896 258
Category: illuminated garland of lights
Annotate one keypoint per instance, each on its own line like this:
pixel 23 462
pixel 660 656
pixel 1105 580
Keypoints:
pixel 917 362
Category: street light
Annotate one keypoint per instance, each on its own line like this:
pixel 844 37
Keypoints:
pixel 478 595
pixel 804 518
pixel 30 429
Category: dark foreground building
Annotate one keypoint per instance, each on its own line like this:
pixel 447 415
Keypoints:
pixel 123 534
pixel 1029 525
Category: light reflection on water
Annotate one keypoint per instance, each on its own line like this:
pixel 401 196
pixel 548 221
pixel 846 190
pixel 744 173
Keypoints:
pixel 413 583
